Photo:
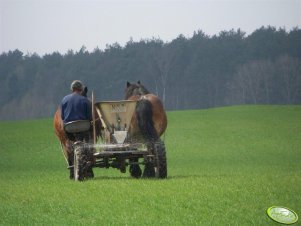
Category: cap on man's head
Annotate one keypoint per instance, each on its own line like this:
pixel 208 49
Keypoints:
pixel 77 85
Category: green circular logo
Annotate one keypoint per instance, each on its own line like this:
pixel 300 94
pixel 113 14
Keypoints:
pixel 282 215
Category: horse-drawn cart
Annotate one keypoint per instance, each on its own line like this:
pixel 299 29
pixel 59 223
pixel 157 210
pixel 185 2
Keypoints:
pixel 118 148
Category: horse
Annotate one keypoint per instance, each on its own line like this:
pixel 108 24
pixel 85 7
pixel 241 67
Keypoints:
pixel 148 123
pixel 150 118
pixel 66 144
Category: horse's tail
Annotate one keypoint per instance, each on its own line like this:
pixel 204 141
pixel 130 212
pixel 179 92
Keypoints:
pixel 144 114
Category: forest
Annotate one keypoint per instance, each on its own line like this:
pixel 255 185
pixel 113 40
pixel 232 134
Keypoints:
pixel 197 72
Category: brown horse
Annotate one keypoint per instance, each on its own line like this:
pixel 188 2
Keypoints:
pixel 150 119
pixel 148 123
pixel 66 144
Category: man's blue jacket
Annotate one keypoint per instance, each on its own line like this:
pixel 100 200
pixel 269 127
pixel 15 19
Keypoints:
pixel 75 107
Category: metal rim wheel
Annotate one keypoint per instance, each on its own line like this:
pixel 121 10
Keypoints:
pixel 160 164
pixel 78 163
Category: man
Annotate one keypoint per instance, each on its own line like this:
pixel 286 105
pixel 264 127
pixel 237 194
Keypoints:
pixel 75 106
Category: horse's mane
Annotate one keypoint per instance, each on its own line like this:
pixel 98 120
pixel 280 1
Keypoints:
pixel 135 90
pixel 84 91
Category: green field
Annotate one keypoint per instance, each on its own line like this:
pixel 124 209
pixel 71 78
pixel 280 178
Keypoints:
pixel 226 166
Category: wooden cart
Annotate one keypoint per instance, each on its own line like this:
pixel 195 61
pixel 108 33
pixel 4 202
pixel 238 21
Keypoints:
pixel 117 149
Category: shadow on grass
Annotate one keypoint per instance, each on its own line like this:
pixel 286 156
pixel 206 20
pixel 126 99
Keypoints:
pixel 112 178
pixel 173 177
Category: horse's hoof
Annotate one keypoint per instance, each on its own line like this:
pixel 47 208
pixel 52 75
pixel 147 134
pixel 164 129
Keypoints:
pixel 71 176
pixel 149 171
pixel 135 171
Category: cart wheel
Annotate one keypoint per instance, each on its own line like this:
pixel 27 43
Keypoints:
pixel 160 164
pixel 78 163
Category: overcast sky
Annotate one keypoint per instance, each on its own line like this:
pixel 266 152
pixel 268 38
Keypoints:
pixel 45 26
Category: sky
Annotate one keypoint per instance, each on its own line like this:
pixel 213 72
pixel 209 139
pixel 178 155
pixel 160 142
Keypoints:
pixel 47 26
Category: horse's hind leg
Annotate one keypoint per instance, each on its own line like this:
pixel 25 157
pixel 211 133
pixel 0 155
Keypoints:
pixel 71 165
pixel 89 159
pixel 149 170
pixel 89 173
pixel 135 169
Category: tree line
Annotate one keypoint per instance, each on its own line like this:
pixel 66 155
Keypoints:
pixel 198 72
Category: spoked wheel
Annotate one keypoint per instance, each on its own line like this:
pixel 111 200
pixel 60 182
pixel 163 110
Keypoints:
pixel 79 173
pixel 158 168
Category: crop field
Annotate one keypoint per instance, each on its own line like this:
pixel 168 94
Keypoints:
pixel 226 166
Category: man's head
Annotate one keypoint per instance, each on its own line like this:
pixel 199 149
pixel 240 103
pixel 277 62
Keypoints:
pixel 77 86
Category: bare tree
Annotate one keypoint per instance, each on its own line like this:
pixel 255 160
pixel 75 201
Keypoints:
pixel 290 71
pixel 163 59
pixel 254 80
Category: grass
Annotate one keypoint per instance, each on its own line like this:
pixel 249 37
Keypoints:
pixel 226 166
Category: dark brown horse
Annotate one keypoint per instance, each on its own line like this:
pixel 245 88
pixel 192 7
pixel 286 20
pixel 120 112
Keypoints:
pixel 150 119
pixel 66 144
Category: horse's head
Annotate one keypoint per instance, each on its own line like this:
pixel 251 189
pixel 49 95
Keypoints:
pixel 84 91
pixel 135 90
